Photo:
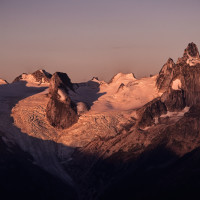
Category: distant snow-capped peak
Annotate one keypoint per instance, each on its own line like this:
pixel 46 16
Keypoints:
pixel 121 76
pixel 39 76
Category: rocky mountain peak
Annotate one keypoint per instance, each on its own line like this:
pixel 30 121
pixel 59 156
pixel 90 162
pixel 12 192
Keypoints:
pixel 190 55
pixel 170 62
pixel 42 76
pixel 191 51
pixel 39 76
pixel 60 80
pixel 165 75
pixel 61 111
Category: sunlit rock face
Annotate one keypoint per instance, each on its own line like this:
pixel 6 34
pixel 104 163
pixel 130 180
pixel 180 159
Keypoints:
pixel 184 75
pixel 190 56
pixel 165 75
pixel 180 85
pixel 61 112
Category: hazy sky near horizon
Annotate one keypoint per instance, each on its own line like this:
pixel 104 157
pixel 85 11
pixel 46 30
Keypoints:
pixel 87 38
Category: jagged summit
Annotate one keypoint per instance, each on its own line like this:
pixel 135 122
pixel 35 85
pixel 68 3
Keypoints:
pixel 170 61
pixel 39 76
pixel 60 80
pixel 3 82
pixel 181 83
pixel 190 55
pixel 191 51
pixel 165 75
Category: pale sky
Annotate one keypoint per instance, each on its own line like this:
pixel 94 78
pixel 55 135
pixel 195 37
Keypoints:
pixel 87 38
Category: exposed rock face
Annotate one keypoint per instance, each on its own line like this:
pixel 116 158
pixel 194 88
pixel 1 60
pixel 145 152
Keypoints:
pixel 60 80
pixel 61 112
pixel 174 101
pixel 121 87
pixel 179 83
pixel 190 56
pixel 42 76
pixel 151 110
pixel 165 75
pixel 191 52
pixel 39 76
pixel 189 77
pixel 182 76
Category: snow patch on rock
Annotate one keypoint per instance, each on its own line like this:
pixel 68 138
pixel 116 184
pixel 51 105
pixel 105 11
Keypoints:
pixel 105 97
pixel 81 108
pixel 193 61
pixel 62 94
pixel 176 114
pixel 176 85
pixel 28 78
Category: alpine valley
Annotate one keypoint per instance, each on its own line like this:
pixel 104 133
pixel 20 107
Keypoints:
pixel 130 139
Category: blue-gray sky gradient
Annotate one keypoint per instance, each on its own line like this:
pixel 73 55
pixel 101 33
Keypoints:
pixel 86 38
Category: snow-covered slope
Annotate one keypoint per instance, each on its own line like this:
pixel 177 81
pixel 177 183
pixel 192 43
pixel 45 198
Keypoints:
pixel 3 82
pixel 124 92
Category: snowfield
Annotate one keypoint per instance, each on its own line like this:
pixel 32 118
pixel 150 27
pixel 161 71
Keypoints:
pixel 124 92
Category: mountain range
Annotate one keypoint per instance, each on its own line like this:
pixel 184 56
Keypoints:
pixel 126 139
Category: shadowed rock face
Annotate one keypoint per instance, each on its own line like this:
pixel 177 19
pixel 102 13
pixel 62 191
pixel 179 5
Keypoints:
pixel 151 110
pixel 174 101
pixel 61 111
